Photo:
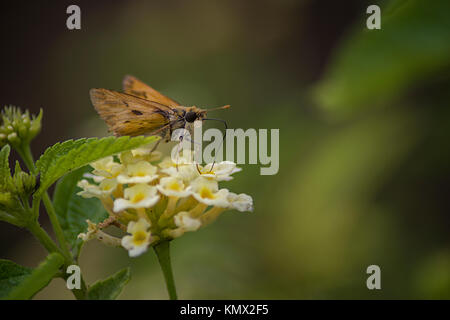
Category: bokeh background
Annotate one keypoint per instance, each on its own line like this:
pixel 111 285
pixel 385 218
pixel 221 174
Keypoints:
pixel 364 125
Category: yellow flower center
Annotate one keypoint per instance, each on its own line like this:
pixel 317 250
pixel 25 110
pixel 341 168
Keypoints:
pixel 139 238
pixel 209 172
pixel 138 197
pixel 206 193
pixel 175 186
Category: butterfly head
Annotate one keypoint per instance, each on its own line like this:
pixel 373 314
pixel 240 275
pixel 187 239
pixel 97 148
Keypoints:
pixel 194 114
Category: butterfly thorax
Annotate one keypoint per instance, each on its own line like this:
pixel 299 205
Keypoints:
pixel 183 117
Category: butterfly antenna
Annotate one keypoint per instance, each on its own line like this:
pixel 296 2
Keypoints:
pixel 219 108
pixel 226 127
pixel 198 169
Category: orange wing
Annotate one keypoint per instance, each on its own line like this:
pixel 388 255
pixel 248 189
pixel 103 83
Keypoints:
pixel 134 86
pixel 128 115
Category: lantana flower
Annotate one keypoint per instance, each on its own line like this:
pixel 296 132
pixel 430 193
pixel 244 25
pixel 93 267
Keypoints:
pixel 144 153
pixel 139 240
pixel 171 186
pixel 221 171
pixel 138 196
pixel 207 191
pixel 106 168
pixel 154 202
pixel 139 172
pixel 105 188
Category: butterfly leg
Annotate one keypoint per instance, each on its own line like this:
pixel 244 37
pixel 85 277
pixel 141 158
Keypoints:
pixel 155 146
pixel 178 151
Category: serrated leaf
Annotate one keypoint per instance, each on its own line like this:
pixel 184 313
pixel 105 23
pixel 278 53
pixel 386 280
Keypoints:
pixel 70 155
pixel 38 279
pixel 11 275
pixel 73 210
pixel 110 288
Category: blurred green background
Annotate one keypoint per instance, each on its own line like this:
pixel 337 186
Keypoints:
pixel 364 129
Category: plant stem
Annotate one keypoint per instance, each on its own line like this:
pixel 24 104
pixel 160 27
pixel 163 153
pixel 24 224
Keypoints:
pixel 162 250
pixel 27 158
pixel 56 226
pixel 41 234
pixel 43 237
pixel 80 294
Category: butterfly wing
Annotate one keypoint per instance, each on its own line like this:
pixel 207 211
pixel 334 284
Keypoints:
pixel 134 86
pixel 128 115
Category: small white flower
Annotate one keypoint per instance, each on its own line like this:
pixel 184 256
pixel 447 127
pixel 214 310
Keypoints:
pixel 241 202
pixel 105 188
pixel 106 167
pixel 186 173
pixel 221 171
pixel 173 187
pixel 97 179
pixel 137 243
pixel 166 163
pixel 184 221
pixel 138 196
pixel 207 191
pixel 139 172
pixel 147 153
pixel 185 157
pixel 140 154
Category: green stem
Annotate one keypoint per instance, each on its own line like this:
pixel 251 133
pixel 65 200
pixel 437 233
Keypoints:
pixel 163 253
pixel 56 226
pixel 43 237
pixel 27 158
pixel 41 234
pixel 80 294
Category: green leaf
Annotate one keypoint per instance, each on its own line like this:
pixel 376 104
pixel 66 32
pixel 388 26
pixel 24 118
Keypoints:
pixel 11 275
pixel 70 155
pixel 11 209
pixel 38 279
pixel 5 173
pixel 73 210
pixel 109 288
pixel 374 67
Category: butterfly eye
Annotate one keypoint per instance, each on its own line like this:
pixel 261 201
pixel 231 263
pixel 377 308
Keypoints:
pixel 191 116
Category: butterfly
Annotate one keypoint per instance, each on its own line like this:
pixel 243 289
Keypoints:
pixel 141 110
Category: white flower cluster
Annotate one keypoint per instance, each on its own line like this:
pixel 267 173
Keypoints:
pixel 156 200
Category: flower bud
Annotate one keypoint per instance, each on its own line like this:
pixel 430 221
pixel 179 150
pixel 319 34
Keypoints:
pixel 14 192
pixel 24 182
pixel 17 127
pixel 6 199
